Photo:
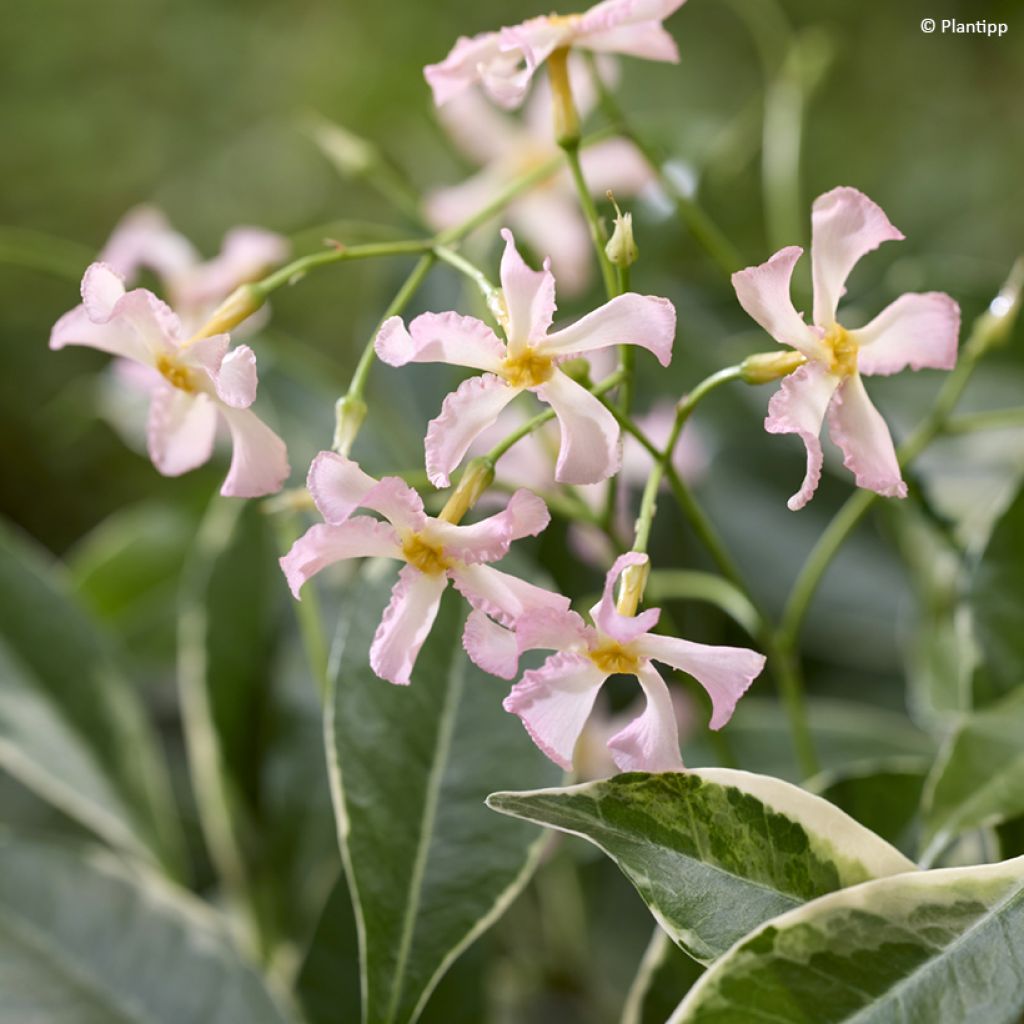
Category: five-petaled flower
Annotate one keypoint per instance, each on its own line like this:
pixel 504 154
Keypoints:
pixel 193 287
pixel 590 442
pixel 555 700
pixel 434 552
pixel 503 62
pixel 548 215
pixel 917 330
pixel 193 383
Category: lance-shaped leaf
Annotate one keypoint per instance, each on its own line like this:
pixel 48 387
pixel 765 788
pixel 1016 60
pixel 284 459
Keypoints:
pixel 978 778
pixel 935 947
pixel 86 940
pixel 714 852
pixel 61 685
pixel 429 867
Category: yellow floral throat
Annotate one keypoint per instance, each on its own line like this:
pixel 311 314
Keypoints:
pixel 611 657
pixel 842 350
pixel 528 369
pixel 429 558
pixel 176 375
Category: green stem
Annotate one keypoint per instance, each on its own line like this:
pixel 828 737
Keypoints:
pixel 571 148
pixel 989 419
pixel 490 292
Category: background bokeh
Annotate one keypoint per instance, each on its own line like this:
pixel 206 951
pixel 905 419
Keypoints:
pixel 201 107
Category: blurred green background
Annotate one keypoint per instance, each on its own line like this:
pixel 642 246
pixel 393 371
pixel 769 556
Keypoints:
pixel 198 106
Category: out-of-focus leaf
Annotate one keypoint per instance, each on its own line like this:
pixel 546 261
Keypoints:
pixel 714 852
pixel 126 573
pixel 978 778
pixel 63 686
pixel 942 947
pixel 429 867
pixel 85 940
pixel 666 974
pixel 997 604
pixel 883 796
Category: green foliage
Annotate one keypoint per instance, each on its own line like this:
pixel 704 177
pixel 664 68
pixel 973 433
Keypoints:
pixel 429 867
pixel 942 947
pixel 715 852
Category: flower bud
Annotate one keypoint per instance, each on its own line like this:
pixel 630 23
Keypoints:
pixel 577 369
pixel 631 587
pixel 622 249
pixel 566 119
pixel 349 413
pixel 238 306
pixel 765 367
pixel 476 478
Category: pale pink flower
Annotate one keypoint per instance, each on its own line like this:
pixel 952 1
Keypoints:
pixel 555 700
pixel 548 215
pixel 192 384
pixel 144 239
pixel 917 330
pixel 503 62
pixel 528 361
pixel 434 552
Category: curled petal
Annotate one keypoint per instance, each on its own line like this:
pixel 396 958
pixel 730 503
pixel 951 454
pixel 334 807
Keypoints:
pixel 553 629
pixel 529 294
pixel 610 13
pixel 181 430
pixel 798 407
pixel 259 458
pixel 502 63
pixel 397 502
pixel 763 291
pixel 858 429
pixel 725 672
pixel 554 701
pixel 623 628
pixel 117 339
pixel 490 646
pixel 590 449
pixel 326 543
pixel 102 289
pixel 467 412
pixel 644 320
pixel 235 374
pixel 406 624
pixel 919 331
pixel 505 598
pixel 337 485
pixel 648 40
pixel 650 743
pixel 440 338
pixel 845 225
pixel 525 515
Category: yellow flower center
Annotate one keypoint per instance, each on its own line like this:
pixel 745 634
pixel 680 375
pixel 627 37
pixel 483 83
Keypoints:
pixel 424 555
pixel 569 21
pixel 842 351
pixel 528 369
pixel 613 658
pixel 176 375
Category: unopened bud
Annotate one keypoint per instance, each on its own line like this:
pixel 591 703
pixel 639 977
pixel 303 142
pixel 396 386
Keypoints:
pixel 765 367
pixel 566 119
pixel 238 306
pixel 476 478
pixel 631 587
pixel 351 154
pixel 349 413
pixel 622 249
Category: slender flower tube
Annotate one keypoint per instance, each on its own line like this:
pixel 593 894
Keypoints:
pixel 555 700
pixel 548 215
pixel 194 287
pixel 503 62
pixel 435 552
pixel 917 330
pixel 192 384
pixel 590 443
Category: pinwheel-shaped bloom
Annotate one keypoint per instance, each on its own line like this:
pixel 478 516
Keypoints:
pixel 193 383
pixel 503 62
pixel 917 330
pixel 590 449
pixel 548 216
pixel 434 552
pixel 194 287
pixel 555 700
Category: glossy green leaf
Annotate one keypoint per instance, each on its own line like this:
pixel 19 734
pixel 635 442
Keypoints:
pixel 713 852
pixel 429 867
pixel 978 777
pixel 86 940
pixel 73 728
pixel 997 604
pixel 932 947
